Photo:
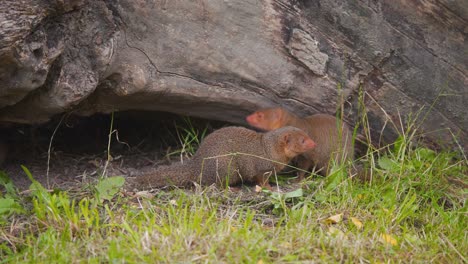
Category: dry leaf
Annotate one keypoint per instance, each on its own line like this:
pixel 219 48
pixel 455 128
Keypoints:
pixel 260 261
pixel 144 194
pixel 356 222
pixel 258 189
pixel 388 239
pixel 333 219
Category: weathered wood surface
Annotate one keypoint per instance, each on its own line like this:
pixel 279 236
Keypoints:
pixel 222 59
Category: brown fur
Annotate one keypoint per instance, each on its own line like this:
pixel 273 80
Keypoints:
pixel 232 155
pixel 333 137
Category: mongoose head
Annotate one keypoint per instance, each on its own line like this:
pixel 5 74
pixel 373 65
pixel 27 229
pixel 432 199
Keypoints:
pixel 293 141
pixel 267 119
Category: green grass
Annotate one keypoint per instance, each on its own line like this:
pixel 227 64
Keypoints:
pixel 410 201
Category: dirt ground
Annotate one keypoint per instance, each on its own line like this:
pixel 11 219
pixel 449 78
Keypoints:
pixel 78 152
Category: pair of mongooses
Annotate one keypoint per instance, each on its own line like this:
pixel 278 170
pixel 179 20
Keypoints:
pixel 234 154
pixel 230 156
pixel 333 137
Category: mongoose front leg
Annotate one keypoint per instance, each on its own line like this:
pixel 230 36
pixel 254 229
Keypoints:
pixel 304 164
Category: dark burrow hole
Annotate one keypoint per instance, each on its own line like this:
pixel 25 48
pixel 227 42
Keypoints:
pixel 140 141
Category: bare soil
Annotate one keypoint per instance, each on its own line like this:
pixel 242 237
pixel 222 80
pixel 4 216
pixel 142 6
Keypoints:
pixel 78 150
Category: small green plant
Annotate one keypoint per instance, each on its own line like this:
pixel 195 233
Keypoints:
pixel 280 200
pixel 107 188
pixel 10 202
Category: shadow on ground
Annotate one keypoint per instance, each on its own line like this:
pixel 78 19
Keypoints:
pixel 78 152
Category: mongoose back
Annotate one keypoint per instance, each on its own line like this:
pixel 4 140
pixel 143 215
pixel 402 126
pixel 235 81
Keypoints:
pixel 333 137
pixel 232 155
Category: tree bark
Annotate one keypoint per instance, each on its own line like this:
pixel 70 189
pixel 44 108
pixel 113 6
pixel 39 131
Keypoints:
pixel 222 59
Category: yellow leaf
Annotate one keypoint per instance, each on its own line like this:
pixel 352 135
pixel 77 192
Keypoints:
pixel 260 261
pixel 356 222
pixel 360 196
pixel 333 219
pixel 388 239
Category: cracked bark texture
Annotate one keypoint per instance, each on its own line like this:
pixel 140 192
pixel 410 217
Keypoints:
pixel 222 59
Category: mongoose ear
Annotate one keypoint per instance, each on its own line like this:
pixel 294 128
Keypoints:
pixel 286 138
